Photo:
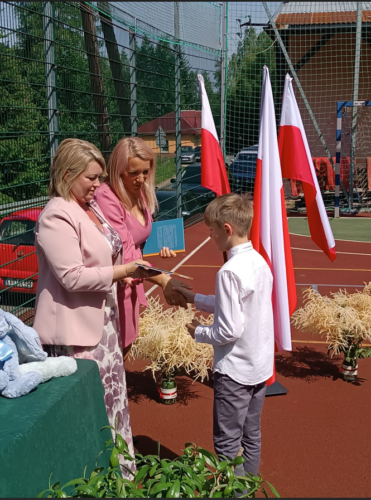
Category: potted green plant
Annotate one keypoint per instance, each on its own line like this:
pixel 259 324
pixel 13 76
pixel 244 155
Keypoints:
pixel 168 388
pixel 344 319
pixel 197 473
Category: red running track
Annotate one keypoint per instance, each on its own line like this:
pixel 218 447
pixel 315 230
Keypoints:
pixel 316 439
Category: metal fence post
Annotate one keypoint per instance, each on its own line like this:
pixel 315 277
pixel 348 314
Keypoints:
pixel 355 98
pixel 51 92
pixel 223 78
pixel 133 81
pixel 178 118
pixel 338 159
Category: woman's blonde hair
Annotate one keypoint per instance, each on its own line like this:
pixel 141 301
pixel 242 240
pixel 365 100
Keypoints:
pixel 132 147
pixel 73 156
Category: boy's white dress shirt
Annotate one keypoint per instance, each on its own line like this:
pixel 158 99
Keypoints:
pixel 242 332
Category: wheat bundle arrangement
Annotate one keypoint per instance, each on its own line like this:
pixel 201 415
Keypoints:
pixel 344 318
pixel 164 340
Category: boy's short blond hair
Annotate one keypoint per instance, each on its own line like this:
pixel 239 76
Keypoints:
pixel 234 209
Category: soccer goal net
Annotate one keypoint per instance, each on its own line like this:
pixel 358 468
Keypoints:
pixel 354 146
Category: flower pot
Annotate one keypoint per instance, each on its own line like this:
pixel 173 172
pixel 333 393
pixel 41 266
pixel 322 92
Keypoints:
pixel 168 389
pixel 349 371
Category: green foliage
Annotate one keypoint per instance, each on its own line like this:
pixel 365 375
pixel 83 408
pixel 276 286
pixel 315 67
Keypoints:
pixel 23 122
pixel 156 80
pixel 245 74
pixel 24 150
pixel 196 473
pixel 352 351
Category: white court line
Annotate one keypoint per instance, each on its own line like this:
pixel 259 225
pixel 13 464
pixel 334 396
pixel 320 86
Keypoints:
pixel 180 263
pixel 332 218
pixel 323 284
pixel 352 241
pixel 344 253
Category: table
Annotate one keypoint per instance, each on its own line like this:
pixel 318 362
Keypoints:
pixel 54 428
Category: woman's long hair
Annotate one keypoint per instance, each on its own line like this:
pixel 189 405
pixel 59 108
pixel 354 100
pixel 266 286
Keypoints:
pixel 132 147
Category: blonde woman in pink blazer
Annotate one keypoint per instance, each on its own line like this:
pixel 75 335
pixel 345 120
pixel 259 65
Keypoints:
pixel 128 199
pixel 80 262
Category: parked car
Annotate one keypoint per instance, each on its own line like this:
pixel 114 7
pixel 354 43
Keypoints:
pixel 18 259
pixel 191 181
pixel 250 148
pixel 242 170
pixel 187 155
pixel 167 200
pixel 197 152
pixel 195 197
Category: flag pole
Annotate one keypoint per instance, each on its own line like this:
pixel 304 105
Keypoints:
pixel 269 232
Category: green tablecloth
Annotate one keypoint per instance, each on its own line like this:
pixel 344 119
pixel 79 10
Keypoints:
pixel 55 428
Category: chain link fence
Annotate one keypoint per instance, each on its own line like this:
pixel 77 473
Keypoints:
pixel 326 48
pixel 100 71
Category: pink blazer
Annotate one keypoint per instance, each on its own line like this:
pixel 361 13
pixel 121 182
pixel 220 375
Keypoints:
pixel 75 274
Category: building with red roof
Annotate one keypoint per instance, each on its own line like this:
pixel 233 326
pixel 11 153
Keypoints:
pixel 190 130
pixel 320 38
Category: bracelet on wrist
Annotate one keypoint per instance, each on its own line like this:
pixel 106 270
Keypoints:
pixel 166 279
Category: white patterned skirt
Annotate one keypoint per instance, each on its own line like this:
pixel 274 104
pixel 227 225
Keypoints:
pixel 108 356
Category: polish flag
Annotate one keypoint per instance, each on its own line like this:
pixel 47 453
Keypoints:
pixel 213 172
pixel 270 232
pixel 297 163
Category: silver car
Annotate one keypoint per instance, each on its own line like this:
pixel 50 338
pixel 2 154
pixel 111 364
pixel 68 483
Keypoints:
pixel 187 155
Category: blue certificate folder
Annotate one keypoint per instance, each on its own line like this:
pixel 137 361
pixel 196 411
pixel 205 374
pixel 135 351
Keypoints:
pixel 167 233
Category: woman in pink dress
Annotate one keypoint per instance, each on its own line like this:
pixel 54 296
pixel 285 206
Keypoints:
pixel 127 200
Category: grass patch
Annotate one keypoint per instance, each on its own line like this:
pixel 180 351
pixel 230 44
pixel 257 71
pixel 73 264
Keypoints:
pixel 165 169
pixel 344 228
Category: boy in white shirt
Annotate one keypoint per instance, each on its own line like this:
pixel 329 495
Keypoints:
pixel 242 332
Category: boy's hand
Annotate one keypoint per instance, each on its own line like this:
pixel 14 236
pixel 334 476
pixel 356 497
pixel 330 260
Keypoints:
pixel 187 294
pixel 191 327
pixel 173 292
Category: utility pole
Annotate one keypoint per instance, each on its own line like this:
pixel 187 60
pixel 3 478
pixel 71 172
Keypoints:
pixel 222 140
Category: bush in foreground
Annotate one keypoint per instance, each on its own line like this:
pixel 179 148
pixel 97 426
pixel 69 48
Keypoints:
pixel 196 473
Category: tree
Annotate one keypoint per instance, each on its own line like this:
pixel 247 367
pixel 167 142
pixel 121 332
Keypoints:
pixel 24 150
pixel 95 71
pixel 156 80
pixel 245 73
pixel 120 73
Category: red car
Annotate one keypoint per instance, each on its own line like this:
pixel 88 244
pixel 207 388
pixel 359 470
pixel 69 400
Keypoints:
pixel 18 262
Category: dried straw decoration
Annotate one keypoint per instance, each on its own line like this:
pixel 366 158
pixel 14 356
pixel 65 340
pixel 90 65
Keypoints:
pixel 344 319
pixel 165 341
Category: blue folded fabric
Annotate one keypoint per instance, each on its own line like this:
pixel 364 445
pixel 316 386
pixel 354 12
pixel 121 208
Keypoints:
pixel 5 351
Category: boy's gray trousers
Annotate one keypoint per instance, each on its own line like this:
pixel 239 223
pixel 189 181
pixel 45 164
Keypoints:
pixel 237 410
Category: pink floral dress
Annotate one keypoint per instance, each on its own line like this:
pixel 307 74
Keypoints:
pixel 108 354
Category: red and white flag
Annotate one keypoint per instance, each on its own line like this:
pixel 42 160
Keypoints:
pixel 270 232
pixel 297 163
pixel 213 172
